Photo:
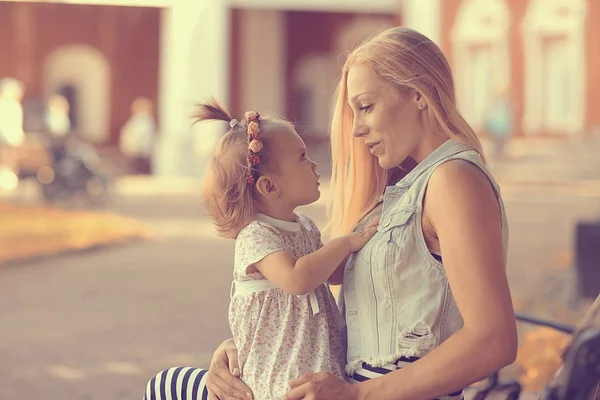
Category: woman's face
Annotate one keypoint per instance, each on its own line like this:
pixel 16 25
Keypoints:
pixel 389 120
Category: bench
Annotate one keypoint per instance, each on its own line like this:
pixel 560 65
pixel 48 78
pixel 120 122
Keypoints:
pixel 579 376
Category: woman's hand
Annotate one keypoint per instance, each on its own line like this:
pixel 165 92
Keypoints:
pixel 222 379
pixel 321 386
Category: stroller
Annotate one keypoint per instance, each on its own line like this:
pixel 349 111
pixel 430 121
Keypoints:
pixel 76 173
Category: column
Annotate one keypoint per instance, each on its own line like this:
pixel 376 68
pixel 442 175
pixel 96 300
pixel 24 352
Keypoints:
pixel 423 16
pixel 193 66
pixel 263 61
pixel 24 26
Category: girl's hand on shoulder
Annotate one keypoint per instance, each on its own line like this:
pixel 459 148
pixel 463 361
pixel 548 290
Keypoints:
pixel 321 386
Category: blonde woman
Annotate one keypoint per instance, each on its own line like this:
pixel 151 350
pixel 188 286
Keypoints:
pixel 426 300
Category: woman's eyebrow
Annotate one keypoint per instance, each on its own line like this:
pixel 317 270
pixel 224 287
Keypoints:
pixel 360 94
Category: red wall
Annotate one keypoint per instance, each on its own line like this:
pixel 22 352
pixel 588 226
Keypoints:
pixel 593 64
pixel 128 37
pixel 518 9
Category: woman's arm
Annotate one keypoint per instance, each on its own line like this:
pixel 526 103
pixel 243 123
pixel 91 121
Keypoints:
pixel 463 211
pixel 223 378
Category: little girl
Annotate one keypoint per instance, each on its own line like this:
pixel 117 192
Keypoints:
pixel 282 315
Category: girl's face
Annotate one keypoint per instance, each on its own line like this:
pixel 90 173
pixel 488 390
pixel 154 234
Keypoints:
pixel 294 173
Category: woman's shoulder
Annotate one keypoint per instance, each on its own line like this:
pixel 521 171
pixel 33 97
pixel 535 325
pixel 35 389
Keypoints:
pixel 460 184
pixel 458 175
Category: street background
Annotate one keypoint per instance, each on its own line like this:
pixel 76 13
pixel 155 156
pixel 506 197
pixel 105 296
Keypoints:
pixel 110 269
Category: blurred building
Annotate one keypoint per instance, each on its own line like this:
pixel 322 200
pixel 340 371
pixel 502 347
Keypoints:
pixel 278 57
pixel 544 53
pixel 99 58
pixel 283 57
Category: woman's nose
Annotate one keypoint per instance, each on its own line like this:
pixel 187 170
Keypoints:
pixel 358 130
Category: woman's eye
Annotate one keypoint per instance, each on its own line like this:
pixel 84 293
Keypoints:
pixel 365 108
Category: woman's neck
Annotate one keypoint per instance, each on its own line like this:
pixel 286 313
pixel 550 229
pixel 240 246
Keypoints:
pixel 396 174
pixel 428 145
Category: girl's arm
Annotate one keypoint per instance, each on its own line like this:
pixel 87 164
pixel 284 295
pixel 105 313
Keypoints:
pixel 338 275
pixel 303 275
pixel 463 212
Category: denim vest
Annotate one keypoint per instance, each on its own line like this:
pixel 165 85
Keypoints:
pixel 396 298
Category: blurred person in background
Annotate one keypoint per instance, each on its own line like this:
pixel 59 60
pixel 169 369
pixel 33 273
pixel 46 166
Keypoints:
pixel 138 136
pixel 499 121
pixel 58 125
pixel 12 136
pixel 57 118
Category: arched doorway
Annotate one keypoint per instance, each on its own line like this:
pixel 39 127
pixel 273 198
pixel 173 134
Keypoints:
pixel 481 56
pixel 316 75
pixel 315 79
pixel 81 74
pixel 554 49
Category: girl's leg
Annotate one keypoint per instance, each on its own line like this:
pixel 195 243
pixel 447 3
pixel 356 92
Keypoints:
pixel 179 383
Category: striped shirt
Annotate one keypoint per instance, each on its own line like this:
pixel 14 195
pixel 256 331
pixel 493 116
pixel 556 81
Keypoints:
pixel 366 372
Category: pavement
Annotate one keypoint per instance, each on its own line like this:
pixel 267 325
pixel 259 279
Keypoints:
pixel 97 325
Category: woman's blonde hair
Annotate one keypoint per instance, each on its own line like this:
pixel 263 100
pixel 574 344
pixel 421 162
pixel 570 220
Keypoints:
pixel 407 59
pixel 228 196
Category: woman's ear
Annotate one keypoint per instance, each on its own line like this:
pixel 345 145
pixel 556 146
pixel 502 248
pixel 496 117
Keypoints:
pixel 419 100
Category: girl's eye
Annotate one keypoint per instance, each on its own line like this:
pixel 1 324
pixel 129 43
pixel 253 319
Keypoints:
pixel 365 108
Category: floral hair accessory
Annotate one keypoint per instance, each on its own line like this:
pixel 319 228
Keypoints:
pixel 252 115
pixel 253 130
pixel 254 145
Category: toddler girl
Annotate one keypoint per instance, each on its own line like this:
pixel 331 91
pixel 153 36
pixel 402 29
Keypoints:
pixel 282 315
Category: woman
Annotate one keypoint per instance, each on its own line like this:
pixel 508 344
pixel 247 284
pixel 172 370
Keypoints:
pixel 426 301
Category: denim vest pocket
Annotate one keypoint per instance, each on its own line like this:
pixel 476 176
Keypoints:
pixel 395 219
pixel 396 232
